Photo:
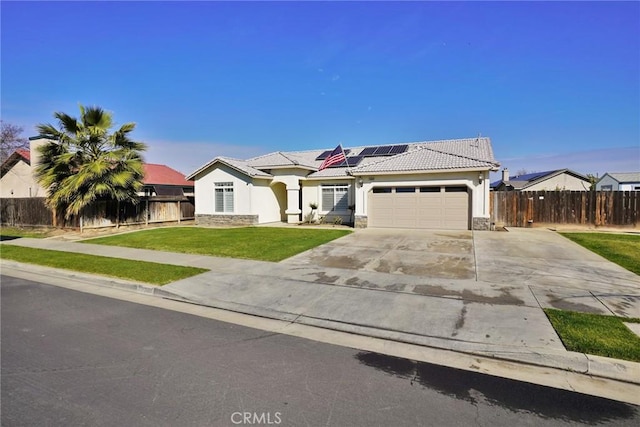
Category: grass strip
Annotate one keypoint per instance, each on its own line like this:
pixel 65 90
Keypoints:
pixel 257 243
pixel 141 271
pixel 596 334
pixel 9 233
pixel 623 249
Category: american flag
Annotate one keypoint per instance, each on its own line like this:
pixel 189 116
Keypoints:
pixel 336 156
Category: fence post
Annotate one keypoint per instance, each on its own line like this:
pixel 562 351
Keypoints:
pixel 179 212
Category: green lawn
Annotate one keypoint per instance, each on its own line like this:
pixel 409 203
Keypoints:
pixel 596 334
pixel 141 271
pixel 8 233
pixel 259 243
pixel 623 249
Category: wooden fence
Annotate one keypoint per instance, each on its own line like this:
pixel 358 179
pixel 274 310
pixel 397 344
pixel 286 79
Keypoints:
pixel 25 211
pixel 597 208
pixel 33 212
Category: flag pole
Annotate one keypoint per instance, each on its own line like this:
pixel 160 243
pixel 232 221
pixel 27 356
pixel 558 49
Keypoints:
pixel 345 160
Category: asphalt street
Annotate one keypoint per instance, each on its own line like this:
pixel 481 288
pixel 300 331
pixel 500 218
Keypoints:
pixel 71 358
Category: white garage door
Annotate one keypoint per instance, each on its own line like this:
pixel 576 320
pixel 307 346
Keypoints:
pixel 419 207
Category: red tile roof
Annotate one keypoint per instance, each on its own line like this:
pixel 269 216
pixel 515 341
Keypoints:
pixel 24 153
pixel 164 175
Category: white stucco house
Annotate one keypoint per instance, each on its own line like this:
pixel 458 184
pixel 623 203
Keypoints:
pixel 437 184
pixel 619 181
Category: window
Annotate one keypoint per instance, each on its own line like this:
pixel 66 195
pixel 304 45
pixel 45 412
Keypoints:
pixel 335 198
pixel 455 189
pixel 224 196
pixel 405 189
pixel 429 189
pixel 607 188
pixel 382 190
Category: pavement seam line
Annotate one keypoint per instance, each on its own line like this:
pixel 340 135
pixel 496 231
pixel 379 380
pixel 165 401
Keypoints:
pixel 475 255
pixel 605 305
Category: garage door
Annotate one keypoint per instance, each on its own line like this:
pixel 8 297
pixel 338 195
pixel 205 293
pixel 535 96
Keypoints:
pixel 419 207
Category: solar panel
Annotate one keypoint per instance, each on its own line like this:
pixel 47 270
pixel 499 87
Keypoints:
pixel 368 151
pixel 398 149
pixel 325 154
pixel 383 151
pixel 349 161
pixel 354 160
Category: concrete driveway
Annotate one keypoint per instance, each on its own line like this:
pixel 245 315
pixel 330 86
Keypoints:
pixel 560 273
pixel 536 263
pixel 432 253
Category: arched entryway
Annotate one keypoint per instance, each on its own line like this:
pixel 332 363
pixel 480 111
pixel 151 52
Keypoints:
pixel 280 191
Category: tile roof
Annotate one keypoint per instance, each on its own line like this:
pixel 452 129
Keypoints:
pixel 623 177
pixel 26 154
pixel 243 166
pixel 474 148
pixel 164 175
pixel 420 156
pixel 237 164
pixel 15 157
pixel 436 155
pixel 283 159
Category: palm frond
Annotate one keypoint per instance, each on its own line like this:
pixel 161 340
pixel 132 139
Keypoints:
pixel 96 117
pixel 68 124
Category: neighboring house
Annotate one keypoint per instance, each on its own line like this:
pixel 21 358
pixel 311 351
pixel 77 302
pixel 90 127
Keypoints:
pixel 18 178
pixel 560 179
pixel 438 184
pixel 161 180
pixel 619 181
pixel 16 175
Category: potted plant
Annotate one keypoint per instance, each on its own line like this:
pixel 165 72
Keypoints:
pixel 313 207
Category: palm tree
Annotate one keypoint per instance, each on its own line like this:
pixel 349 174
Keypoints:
pixel 84 162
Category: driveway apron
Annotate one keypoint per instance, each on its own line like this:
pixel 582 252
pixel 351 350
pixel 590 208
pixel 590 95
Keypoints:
pixel 436 254
pixel 560 273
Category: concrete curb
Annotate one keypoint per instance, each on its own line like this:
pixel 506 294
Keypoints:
pixel 588 365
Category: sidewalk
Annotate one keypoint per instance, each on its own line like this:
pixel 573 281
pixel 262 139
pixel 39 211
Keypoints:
pixel 468 316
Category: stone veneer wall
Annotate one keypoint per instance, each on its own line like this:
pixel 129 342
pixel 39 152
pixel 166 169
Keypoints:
pixel 223 220
pixel 481 223
pixel 361 221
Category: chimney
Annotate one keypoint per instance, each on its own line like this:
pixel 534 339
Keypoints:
pixel 505 175
pixel 34 144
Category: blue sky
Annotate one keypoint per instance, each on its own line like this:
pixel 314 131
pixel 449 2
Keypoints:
pixel 553 84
